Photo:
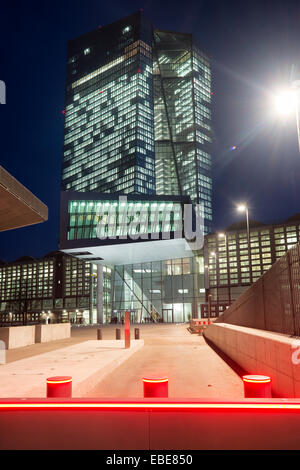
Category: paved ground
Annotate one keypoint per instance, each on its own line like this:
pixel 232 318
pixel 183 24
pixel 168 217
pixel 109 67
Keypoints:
pixel 87 363
pixel 193 368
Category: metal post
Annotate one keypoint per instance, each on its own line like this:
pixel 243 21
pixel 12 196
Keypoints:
pixel 209 306
pixel 296 87
pixel 91 294
pixel 99 333
pixel 100 281
pixel 248 230
pixel 298 126
pixel 127 330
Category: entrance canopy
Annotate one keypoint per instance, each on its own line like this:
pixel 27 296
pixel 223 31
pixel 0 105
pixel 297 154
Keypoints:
pixel 118 229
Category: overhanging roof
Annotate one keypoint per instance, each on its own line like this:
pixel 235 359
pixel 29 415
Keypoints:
pixel 132 253
pixel 18 206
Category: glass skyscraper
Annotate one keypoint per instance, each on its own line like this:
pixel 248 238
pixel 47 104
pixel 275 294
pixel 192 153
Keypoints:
pixel 137 122
pixel 182 118
pixel 109 125
pixel 137 115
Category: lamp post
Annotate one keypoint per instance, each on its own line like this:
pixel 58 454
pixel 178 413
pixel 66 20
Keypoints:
pixel 223 235
pixel 244 208
pixel 287 102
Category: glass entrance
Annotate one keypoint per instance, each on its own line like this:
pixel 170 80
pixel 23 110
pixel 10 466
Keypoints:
pixel 167 315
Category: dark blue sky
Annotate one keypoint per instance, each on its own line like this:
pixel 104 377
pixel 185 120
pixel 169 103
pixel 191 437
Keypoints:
pixel 254 46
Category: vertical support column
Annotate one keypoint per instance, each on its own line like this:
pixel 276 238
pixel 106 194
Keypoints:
pixel 127 330
pixel 100 293
pixel 209 307
pixel 91 294
pixel 194 272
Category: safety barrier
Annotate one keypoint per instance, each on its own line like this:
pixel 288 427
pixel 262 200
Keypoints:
pixel 153 423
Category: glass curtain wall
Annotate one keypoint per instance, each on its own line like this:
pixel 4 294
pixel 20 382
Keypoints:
pixel 109 132
pixel 161 291
pixel 182 119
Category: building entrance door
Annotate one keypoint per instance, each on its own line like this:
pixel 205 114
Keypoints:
pixel 167 315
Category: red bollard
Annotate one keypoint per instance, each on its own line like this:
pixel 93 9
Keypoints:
pixel 155 388
pixel 59 387
pixel 257 386
pixel 127 330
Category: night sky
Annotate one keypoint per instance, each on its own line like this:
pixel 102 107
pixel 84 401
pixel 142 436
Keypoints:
pixel 254 47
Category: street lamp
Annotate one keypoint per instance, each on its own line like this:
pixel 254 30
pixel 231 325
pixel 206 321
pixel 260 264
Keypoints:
pixel 287 102
pixel 244 208
pixel 223 235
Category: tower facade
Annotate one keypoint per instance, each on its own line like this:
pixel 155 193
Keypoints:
pixel 137 135
pixel 137 114
pixel 182 118
pixel 109 126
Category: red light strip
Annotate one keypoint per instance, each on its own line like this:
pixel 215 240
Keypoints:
pixel 146 406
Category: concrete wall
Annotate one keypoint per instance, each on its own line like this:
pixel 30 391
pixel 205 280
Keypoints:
pixel 17 336
pixel 178 425
pixel 261 352
pixel 272 303
pixel 52 332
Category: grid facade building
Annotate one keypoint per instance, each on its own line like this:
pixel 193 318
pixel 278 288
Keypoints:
pixel 231 265
pixel 58 286
pixel 109 131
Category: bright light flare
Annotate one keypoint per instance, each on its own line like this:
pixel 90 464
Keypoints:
pixel 242 208
pixel 285 102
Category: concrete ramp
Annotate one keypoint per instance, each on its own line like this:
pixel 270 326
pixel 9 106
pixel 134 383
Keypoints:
pixel 88 363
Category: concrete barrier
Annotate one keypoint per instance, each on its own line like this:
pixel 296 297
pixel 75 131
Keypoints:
pixel 17 336
pixel 155 424
pixel 261 352
pixel 52 332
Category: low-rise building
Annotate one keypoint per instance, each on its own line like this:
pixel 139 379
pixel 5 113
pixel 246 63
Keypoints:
pixel 231 265
pixel 57 287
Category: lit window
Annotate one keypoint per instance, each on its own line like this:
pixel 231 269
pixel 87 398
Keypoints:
pixel 87 51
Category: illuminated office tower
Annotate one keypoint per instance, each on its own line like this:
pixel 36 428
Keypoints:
pixel 137 115
pixel 137 123
pixel 182 119
pixel 109 130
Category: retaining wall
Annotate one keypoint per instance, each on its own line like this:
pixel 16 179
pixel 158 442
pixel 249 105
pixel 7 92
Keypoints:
pixel 261 352
pixel 17 336
pixel 52 332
